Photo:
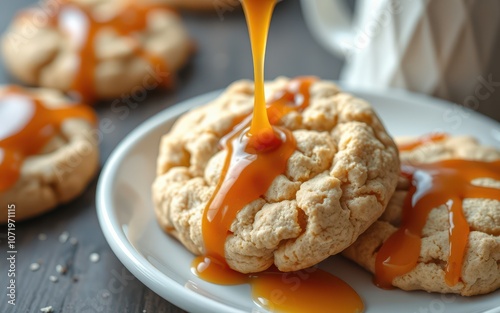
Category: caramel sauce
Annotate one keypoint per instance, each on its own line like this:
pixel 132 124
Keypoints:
pixel 82 27
pixel 426 139
pixel 257 152
pixel 243 172
pixel 258 15
pixel 447 183
pixel 309 290
pixel 304 291
pixel 27 126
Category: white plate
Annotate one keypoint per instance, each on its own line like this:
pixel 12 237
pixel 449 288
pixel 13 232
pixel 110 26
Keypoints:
pixel 126 215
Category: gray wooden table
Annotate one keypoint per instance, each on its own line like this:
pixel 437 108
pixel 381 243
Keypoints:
pixel 106 286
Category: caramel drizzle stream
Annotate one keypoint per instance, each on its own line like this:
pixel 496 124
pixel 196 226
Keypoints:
pixel 257 153
pixel 258 16
pixel 248 171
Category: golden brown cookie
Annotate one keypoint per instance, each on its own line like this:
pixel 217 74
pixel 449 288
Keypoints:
pixel 337 182
pixel 48 147
pixel 480 272
pixel 96 48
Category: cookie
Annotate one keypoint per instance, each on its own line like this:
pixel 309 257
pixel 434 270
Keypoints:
pixel 337 182
pixel 96 49
pixel 49 149
pixel 480 272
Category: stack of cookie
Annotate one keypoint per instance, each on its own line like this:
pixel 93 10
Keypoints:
pixel 342 192
pixel 89 50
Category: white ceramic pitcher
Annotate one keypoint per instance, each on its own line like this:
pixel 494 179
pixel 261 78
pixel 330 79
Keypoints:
pixel 445 48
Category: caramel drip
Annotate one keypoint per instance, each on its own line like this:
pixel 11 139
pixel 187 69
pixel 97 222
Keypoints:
pixel 27 126
pixel 247 175
pixel 295 97
pixel 258 15
pixel 248 170
pixel 430 138
pixel 432 185
pixel 83 27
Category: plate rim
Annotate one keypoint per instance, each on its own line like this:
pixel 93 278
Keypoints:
pixel 128 254
pixel 117 240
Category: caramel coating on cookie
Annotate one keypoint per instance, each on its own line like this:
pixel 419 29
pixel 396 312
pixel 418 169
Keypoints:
pixel 481 269
pixel 337 182
pixel 47 52
pixel 61 171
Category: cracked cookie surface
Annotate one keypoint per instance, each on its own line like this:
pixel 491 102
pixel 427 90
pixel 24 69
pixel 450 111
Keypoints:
pixel 337 182
pixel 481 265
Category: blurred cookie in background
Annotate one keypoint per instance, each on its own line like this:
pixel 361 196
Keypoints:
pixel 218 6
pixel 96 49
pixel 48 150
